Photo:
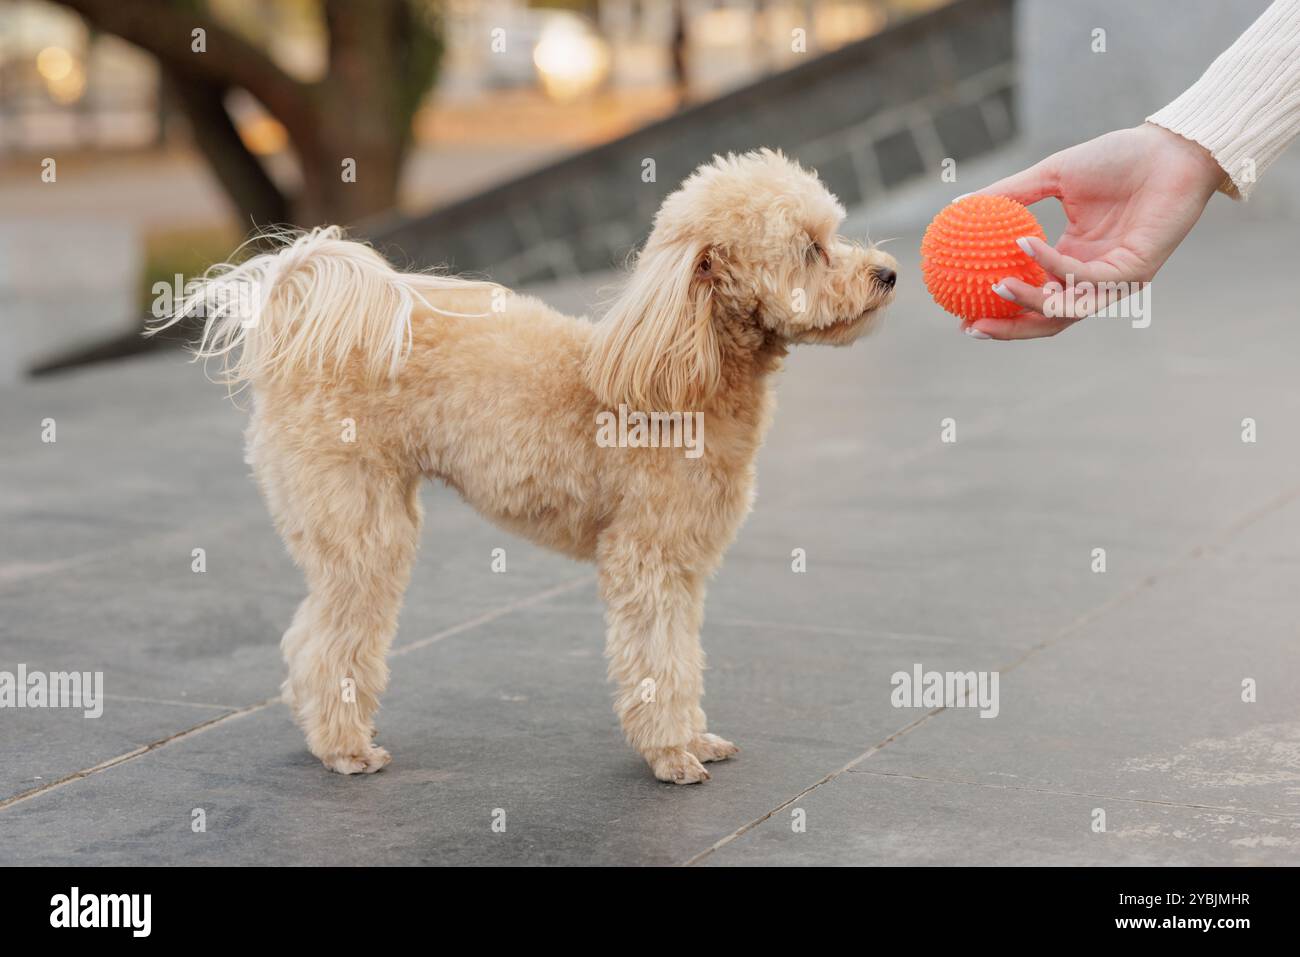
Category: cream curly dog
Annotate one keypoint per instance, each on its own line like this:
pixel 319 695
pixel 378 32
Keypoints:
pixel 366 380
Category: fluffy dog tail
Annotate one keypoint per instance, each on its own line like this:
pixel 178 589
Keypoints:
pixel 309 305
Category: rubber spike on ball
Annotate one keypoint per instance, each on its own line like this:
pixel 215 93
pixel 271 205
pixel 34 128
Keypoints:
pixel 970 246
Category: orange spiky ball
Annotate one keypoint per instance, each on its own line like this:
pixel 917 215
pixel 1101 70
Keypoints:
pixel 970 246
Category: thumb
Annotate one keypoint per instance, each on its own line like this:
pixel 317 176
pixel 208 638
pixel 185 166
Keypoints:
pixel 1028 186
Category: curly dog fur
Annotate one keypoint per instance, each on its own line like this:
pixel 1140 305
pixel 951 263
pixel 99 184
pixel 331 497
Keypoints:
pixel 498 396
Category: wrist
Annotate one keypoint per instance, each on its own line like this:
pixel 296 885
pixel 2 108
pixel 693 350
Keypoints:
pixel 1199 161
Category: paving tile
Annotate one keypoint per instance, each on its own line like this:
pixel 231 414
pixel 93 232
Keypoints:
pixel 1147 701
pixel 44 745
pixel 514 715
pixel 874 819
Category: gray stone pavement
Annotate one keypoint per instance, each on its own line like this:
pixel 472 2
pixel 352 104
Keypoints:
pixel 1119 691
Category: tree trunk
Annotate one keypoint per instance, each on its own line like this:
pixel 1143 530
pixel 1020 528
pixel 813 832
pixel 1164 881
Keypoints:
pixel 383 55
pixel 361 131
pixel 364 112
pixel 352 177
pixel 255 195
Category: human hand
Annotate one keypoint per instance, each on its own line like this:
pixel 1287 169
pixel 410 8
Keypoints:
pixel 1131 197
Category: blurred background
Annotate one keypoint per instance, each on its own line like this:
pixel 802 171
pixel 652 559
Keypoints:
pixel 144 139
pixel 169 145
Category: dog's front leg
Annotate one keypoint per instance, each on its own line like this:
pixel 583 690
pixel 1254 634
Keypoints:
pixel 654 607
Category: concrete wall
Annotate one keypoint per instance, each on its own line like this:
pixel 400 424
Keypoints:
pixel 869 117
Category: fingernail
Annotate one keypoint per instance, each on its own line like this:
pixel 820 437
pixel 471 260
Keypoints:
pixel 1023 243
pixel 1004 292
pixel 958 199
pixel 976 333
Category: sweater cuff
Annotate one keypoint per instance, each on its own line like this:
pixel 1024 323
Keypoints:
pixel 1245 109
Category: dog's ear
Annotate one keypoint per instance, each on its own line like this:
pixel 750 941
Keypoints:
pixel 656 349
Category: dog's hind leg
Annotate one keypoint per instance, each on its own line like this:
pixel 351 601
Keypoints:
pixel 354 531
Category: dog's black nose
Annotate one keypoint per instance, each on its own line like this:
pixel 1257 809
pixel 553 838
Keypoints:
pixel 887 276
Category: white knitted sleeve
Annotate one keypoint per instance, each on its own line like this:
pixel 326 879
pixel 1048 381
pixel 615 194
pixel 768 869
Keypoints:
pixel 1245 108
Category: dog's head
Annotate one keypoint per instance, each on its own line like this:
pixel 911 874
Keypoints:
pixel 746 250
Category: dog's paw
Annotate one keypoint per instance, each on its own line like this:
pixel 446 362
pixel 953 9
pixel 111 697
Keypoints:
pixel 677 766
pixel 709 747
pixel 369 761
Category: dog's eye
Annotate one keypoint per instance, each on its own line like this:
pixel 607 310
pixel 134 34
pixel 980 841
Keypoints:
pixel 818 251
